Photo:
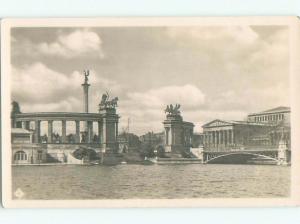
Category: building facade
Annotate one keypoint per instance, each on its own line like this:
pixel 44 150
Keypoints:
pixel 261 130
pixel 275 115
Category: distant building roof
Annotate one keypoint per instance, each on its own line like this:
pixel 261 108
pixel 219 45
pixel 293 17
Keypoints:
pixel 218 122
pixel 19 131
pixel 273 110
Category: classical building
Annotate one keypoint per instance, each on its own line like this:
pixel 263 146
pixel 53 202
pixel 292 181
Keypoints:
pixel 260 130
pixel 26 130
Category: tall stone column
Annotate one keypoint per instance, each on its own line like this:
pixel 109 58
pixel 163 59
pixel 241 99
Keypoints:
pixel 232 137
pixel 85 86
pixel 77 134
pixel 50 131
pixel 37 131
pixel 63 131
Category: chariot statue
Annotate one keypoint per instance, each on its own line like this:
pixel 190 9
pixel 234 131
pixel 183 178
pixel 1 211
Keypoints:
pixel 107 103
pixel 172 110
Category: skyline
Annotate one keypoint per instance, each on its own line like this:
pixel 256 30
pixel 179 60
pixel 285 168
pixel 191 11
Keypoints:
pixel 148 68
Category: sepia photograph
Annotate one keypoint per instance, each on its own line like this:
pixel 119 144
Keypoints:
pixel 148 112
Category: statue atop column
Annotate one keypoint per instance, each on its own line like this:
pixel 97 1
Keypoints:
pixel 107 103
pixel 86 74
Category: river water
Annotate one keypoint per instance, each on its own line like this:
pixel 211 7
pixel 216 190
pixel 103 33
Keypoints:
pixel 151 181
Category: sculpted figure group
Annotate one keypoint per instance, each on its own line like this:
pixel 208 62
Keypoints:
pixel 106 103
pixel 173 110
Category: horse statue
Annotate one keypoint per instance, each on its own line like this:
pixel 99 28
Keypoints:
pixel 173 110
pixel 114 102
pixel 106 103
pixel 104 99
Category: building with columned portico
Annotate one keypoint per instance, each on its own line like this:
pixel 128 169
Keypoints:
pixel 260 130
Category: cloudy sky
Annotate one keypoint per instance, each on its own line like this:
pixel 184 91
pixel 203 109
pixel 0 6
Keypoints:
pixel 213 72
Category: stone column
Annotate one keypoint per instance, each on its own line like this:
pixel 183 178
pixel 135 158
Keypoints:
pixel 90 131
pixel 232 137
pixel 77 135
pixel 37 131
pixel 171 136
pixel 24 124
pixel 63 131
pixel 167 135
pixel 103 138
pixel 50 131
pixel 220 139
pixel 99 132
pixel 117 130
pixel 228 137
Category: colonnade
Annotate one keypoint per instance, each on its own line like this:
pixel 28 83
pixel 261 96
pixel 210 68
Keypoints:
pixel 89 133
pixel 218 138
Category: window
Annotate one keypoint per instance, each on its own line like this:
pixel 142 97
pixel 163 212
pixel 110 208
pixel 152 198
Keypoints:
pixel 20 155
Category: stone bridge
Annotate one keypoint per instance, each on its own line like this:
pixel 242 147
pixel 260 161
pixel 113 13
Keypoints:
pixel 268 156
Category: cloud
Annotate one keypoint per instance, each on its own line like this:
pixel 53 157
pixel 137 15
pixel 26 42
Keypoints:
pixel 186 95
pixel 39 88
pixel 214 72
pixel 75 44
pixel 79 43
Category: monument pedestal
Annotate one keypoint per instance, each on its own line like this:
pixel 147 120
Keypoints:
pixel 109 136
pixel 178 135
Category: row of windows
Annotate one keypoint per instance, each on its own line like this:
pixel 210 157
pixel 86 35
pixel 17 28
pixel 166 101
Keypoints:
pixel 21 155
pixel 272 117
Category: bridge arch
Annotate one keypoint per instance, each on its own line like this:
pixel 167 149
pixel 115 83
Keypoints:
pixel 236 154
pixel 87 153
